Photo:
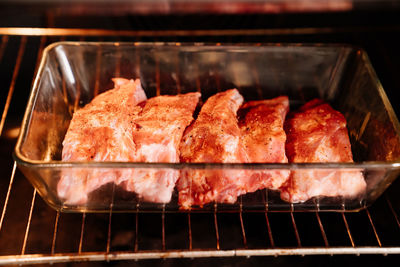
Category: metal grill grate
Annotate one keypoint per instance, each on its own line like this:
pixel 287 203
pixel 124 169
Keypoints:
pixel 31 232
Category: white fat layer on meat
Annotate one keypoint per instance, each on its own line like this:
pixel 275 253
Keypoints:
pixel 148 152
pixel 231 144
pixel 139 93
pixel 326 152
pixel 153 185
pixel 326 183
pixel 323 152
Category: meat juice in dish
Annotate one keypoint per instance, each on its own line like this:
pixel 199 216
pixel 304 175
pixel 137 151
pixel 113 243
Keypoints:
pixel 213 137
pixel 263 136
pixel 318 133
pixel 115 127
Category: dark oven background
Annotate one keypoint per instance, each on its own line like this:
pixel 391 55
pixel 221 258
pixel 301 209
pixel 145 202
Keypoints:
pixel 29 227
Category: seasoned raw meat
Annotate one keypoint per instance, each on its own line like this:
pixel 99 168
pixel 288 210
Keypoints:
pixel 100 131
pixel 159 129
pixel 213 137
pixel 113 127
pixel 263 136
pixel 317 133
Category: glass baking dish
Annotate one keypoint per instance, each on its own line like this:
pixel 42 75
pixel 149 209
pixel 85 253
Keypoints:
pixel 72 73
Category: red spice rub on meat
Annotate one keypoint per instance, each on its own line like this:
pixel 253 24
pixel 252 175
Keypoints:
pixel 261 124
pixel 113 127
pixel 100 131
pixel 318 133
pixel 213 137
pixel 159 129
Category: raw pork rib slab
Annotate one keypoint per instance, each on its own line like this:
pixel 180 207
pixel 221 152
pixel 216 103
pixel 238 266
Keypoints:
pixel 318 133
pixel 263 136
pixel 90 135
pixel 100 131
pixel 111 128
pixel 213 137
pixel 159 129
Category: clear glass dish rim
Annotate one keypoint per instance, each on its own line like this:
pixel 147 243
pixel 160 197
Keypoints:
pixel 22 160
